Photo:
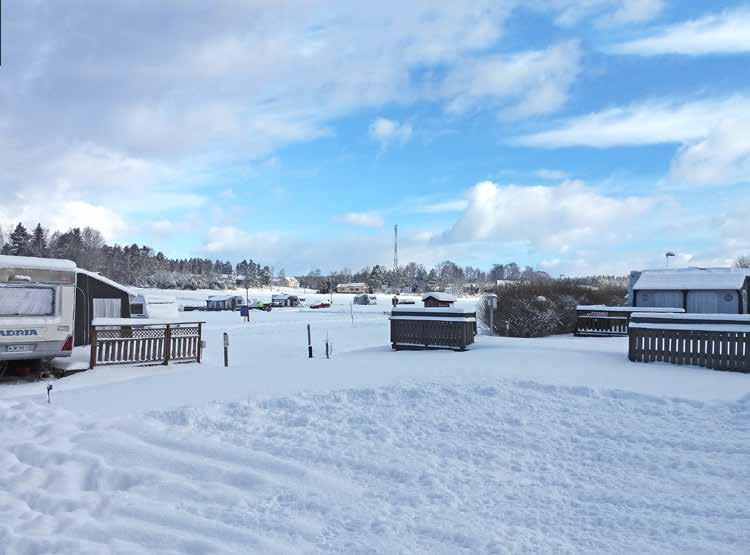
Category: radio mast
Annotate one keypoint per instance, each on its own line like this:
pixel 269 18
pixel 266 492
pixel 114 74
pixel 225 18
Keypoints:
pixel 395 247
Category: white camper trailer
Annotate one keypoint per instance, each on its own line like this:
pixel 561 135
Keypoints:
pixel 154 306
pixel 37 308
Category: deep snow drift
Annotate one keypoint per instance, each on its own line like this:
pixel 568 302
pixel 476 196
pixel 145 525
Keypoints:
pixel 518 445
pixel 436 469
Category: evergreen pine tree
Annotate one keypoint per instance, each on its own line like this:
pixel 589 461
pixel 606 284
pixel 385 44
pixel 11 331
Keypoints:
pixel 20 241
pixel 39 242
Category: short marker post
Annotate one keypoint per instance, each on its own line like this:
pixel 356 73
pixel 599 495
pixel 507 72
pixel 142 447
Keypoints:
pixel 226 349
pixel 309 342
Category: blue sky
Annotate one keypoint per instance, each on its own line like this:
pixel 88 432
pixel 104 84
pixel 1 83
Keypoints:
pixel 579 137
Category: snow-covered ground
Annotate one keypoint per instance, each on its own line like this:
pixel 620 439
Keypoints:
pixel 518 445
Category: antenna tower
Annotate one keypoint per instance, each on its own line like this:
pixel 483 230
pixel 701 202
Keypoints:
pixel 395 247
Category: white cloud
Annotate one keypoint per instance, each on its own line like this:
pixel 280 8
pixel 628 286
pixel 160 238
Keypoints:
pixel 388 131
pixel 724 33
pixel 557 218
pixel 552 175
pixel 233 241
pixel 458 205
pixel 714 144
pixel 208 90
pixel 82 214
pixel 524 84
pixel 605 12
pixel 363 219
pixel 633 11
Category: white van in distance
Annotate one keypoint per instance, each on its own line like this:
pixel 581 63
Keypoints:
pixel 37 307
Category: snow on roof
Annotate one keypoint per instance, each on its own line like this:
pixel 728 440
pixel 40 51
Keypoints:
pixel 351 285
pixel 693 279
pixel 436 310
pixel 142 321
pixel 439 296
pixel 33 263
pixel 219 297
pixel 605 308
pixel 159 299
pixel 108 281
pixel 693 316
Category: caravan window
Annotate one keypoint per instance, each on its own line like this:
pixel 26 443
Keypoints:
pixel 18 300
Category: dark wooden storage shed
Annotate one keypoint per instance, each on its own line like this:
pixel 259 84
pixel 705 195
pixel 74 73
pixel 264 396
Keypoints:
pixel 438 300
pixel 97 297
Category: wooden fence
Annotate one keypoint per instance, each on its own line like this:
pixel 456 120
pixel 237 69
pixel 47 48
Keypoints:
pixel 609 321
pixel 709 341
pixel 133 344
pixel 423 329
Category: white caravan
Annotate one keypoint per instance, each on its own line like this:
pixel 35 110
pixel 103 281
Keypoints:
pixel 37 308
pixel 154 306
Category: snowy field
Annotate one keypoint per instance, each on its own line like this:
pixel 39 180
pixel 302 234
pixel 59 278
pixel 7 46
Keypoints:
pixel 518 445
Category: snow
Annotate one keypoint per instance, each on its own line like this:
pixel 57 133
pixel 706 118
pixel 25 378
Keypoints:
pixel 129 290
pixel 183 319
pixel 715 279
pixel 437 317
pixel 693 327
pixel 32 263
pixel 435 310
pixel 604 308
pixel 688 317
pixel 517 445
pixel 439 296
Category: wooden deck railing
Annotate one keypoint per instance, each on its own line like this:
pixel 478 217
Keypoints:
pixel 426 328
pixel 609 321
pixel 152 343
pixel 719 342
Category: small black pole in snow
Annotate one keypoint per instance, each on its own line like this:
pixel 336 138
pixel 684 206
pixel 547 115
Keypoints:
pixel 49 388
pixel 309 342
pixel 226 349
pixel 327 353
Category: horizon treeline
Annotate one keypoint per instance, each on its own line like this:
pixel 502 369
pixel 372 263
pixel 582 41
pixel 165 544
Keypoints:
pixel 143 266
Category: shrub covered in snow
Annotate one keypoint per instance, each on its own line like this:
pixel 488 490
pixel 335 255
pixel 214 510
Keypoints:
pixel 537 309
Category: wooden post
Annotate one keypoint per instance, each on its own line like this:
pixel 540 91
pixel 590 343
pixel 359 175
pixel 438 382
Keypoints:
pixel 200 341
pixel 167 344
pixel 309 342
pixel 226 349
pixel 92 359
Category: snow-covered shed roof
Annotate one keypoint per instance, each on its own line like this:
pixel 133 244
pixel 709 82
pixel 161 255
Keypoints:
pixel 439 296
pixel 108 281
pixel 33 263
pixel 220 297
pixel 693 279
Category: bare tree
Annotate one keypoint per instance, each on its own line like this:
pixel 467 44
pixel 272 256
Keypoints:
pixel 742 262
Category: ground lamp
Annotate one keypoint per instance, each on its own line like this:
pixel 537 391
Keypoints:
pixel 492 302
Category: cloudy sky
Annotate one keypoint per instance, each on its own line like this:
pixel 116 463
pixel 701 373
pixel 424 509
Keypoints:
pixel 576 136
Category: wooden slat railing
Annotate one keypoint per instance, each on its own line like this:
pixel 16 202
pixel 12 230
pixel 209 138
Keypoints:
pixel 710 341
pixel 422 328
pixel 609 321
pixel 153 343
